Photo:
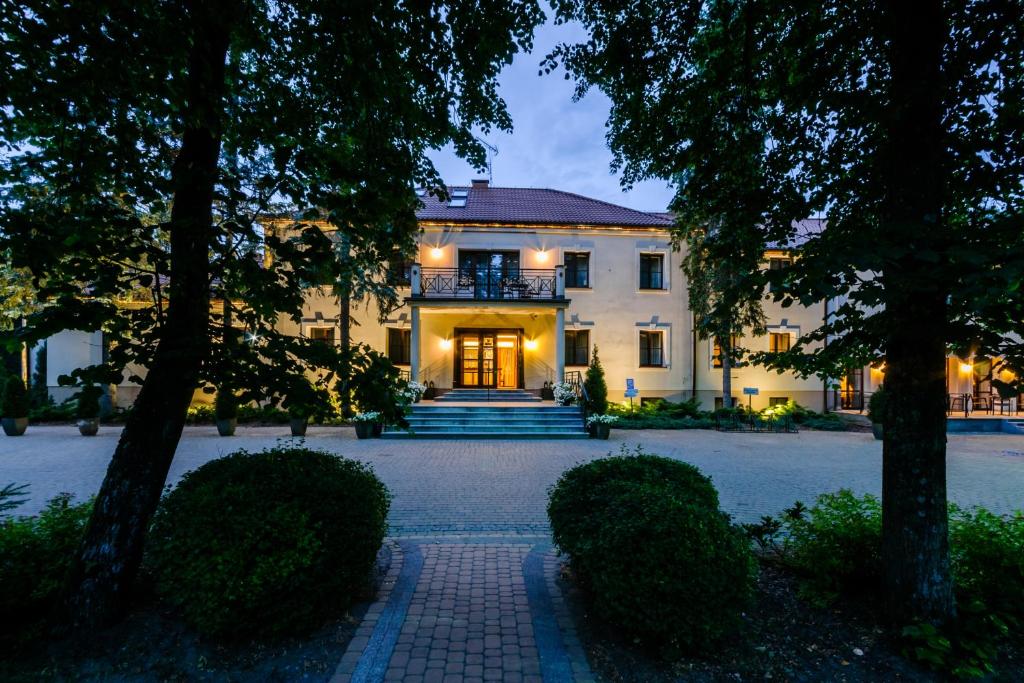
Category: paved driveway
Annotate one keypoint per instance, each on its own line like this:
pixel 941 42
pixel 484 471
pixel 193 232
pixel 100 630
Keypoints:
pixel 487 487
pixel 472 592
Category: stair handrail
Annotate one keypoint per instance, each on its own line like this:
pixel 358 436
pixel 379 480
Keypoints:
pixel 574 378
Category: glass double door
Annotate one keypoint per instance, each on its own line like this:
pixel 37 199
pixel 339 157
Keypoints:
pixel 488 359
pixel 488 271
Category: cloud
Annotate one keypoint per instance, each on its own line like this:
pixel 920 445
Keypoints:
pixel 556 142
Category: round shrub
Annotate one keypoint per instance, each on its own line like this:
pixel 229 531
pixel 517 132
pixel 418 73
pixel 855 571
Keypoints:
pixel 268 544
pixel 645 537
pixel 15 398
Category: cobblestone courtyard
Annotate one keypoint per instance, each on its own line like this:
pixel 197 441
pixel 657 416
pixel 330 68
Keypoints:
pixel 471 593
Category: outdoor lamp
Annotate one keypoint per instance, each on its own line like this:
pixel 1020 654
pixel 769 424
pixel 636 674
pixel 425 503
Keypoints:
pixel 530 344
pixel 437 252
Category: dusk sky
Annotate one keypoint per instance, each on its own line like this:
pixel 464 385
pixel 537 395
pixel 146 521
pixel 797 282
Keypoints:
pixel 556 143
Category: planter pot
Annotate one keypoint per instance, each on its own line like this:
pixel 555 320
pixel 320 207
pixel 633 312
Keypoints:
pixel 546 394
pixel 600 431
pixel 298 425
pixel 14 426
pixel 89 427
pixel 378 429
pixel 429 394
pixel 227 427
pixel 876 429
pixel 364 430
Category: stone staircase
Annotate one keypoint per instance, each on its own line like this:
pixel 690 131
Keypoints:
pixel 1013 426
pixel 439 421
pixel 485 395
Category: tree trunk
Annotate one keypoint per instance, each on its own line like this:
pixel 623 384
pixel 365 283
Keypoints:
pixel 725 353
pixel 915 545
pixel 345 322
pixel 101 581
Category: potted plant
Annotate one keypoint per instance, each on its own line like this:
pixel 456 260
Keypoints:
pixel 563 393
pixel 15 407
pixel 87 410
pixel 414 391
pixel 600 426
pixel 225 409
pixel 876 411
pixel 366 424
pixel 298 419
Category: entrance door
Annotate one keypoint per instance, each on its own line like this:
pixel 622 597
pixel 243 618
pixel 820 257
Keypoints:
pixel 488 359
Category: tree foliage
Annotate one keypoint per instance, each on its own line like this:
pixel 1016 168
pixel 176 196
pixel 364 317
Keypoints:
pixel 148 142
pixel 898 122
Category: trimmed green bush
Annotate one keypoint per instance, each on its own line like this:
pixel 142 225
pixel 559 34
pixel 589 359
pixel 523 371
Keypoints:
pixel 268 544
pixel 15 403
pixel 987 555
pixel 597 388
pixel 36 553
pixel 661 562
pixel 87 406
pixel 836 544
pixel 876 406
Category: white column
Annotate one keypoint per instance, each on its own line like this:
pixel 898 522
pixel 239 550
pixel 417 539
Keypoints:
pixel 414 344
pixel 415 279
pixel 559 282
pixel 559 344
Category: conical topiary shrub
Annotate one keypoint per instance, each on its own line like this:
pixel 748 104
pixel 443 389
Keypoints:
pixel 597 389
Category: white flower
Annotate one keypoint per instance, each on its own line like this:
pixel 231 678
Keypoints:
pixel 602 419
pixel 564 393
pixel 371 416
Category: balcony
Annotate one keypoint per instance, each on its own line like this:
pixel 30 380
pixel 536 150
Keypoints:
pixel 520 285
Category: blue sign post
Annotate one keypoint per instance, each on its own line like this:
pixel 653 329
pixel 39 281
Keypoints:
pixel 631 392
pixel 750 392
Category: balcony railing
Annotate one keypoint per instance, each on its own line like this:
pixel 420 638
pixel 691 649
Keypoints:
pixel 489 284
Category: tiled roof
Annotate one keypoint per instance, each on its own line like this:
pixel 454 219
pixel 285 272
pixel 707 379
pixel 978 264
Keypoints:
pixel 521 205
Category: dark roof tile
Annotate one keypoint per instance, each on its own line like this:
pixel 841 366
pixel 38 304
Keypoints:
pixel 520 205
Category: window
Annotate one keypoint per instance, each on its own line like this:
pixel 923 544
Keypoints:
pixel 716 354
pixel 577 343
pixel 778 401
pixel 778 342
pixel 399 344
pixel 652 271
pixel 777 264
pixel 457 198
pixel 652 349
pixel 322 334
pixel 577 270
pixel 399 271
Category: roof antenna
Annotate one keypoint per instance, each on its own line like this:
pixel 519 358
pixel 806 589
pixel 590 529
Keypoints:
pixel 492 152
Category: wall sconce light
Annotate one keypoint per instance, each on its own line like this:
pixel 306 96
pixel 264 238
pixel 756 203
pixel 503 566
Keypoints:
pixel 966 368
pixel 446 344
pixel 437 252
pixel 542 256
pixel 530 344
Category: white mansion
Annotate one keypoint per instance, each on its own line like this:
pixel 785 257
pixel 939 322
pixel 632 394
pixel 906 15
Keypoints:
pixel 512 288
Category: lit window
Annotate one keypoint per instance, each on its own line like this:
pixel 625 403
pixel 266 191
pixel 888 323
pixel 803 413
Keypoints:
pixel 652 268
pixel 322 334
pixel 716 354
pixel 577 343
pixel 399 345
pixel 652 349
pixel 577 270
pixel 779 342
pixel 778 400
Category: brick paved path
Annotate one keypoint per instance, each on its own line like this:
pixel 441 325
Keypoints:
pixel 485 609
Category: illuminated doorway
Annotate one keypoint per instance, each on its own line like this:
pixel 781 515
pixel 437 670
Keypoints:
pixel 488 359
